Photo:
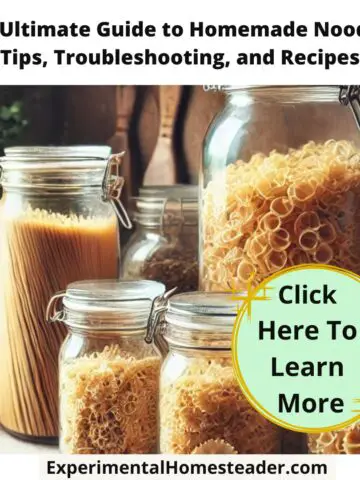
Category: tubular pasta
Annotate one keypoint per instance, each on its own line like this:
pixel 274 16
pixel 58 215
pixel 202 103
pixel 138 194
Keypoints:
pixel 327 232
pixel 245 270
pixel 281 206
pixel 276 260
pixel 308 239
pixel 302 192
pixel 279 210
pixel 279 240
pixel 298 257
pixel 324 253
pixel 270 222
pixel 306 220
pixel 258 246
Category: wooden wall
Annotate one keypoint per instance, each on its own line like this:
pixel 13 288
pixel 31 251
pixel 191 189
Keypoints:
pixel 90 115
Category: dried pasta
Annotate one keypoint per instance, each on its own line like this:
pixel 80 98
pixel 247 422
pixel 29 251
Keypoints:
pixel 281 210
pixel 346 441
pixel 204 409
pixel 40 253
pixel 108 403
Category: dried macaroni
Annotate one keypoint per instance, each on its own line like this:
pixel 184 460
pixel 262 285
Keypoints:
pixel 204 411
pixel 346 441
pixel 109 403
pixel 281 210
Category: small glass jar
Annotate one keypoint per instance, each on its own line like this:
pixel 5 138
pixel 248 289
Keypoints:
pixel 280 184
pixel 202 408
pixel 164 245
pixel 108 374
pixel 57 225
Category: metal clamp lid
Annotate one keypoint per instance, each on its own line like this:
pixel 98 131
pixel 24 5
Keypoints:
pixel 350 94
pixel 112 186
pixel 53 314
pixel 158 306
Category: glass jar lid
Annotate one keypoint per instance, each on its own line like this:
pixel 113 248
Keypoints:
pixel 281 93
pixel 195 320
pixel 166 204
pixel 54 167
pixel 211 312
pixel 105 304
pixel 64 170
pixel 62 157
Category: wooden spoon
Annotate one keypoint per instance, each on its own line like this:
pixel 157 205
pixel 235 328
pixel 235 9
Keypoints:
pixel 161 169
pixel 119 142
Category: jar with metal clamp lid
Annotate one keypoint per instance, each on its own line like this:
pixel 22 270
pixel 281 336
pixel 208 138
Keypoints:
pixel 164 245
pixel 280 183
pixel 58 224
pixel 202 408
pixel 108 374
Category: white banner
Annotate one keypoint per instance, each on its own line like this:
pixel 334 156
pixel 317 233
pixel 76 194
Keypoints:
pixel 186 467
pixel 185 42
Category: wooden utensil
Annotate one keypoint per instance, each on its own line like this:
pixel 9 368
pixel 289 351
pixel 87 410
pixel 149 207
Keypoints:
pixel 161 169
pixel 125 100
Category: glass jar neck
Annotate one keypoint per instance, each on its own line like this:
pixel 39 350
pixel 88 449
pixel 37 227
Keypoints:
pixel 167 216
pixel 130 323
pixel 282 94
pixel 54 182
pixel 54 169
pixel 192 339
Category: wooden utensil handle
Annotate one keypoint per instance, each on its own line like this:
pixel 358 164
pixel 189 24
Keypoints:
pixel 169 99
pixel 125 100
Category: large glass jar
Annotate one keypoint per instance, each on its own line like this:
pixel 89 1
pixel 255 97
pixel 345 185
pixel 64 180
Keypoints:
pixel 202 408
pixel 56 226
pixel 280 184
pixel 164 246
pixel 108 375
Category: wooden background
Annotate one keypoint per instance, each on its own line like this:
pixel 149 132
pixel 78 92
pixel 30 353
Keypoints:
pixel 71 115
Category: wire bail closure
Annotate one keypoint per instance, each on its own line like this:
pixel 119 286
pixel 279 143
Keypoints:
pixel 158 306
pixel 350 94
pixel 53 314
pixel 112 186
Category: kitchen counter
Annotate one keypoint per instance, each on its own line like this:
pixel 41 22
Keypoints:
pixel 10 444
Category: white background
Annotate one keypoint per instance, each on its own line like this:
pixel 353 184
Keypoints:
pixel 180 12
pixel 33 467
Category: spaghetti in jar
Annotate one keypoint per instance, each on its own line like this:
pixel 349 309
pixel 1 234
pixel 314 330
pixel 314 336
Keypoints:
pixel 56 226
pixel 108 375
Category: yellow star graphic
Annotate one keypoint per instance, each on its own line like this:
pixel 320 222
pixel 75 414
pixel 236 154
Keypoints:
pixel 252 295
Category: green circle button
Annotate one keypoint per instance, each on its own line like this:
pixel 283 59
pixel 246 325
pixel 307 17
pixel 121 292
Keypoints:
pixel 296 348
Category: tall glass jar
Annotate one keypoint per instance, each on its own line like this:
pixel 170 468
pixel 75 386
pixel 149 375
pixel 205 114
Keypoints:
pixel 202 408
pixel 280 184
pixel 57 225
pixel 164 246
pixel 109 376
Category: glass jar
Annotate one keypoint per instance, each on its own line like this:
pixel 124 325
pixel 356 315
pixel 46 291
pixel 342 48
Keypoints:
pixel 108 375
pixel 280 184
pixel 202 408
pixel 164 245
pixel 57 225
